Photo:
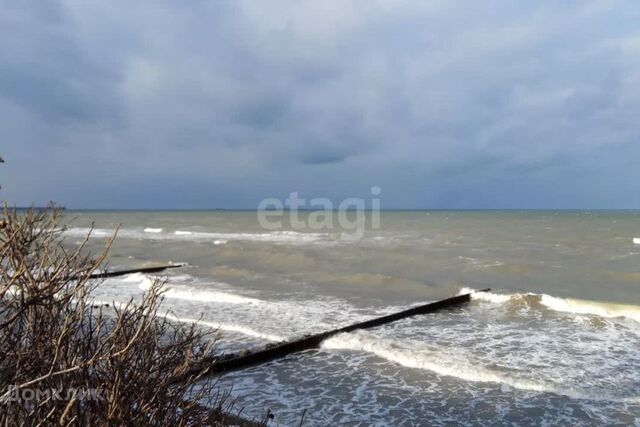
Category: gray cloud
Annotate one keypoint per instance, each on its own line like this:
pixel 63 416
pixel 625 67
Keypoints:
pixel 323 158
pixel 45 71
pixel 223 103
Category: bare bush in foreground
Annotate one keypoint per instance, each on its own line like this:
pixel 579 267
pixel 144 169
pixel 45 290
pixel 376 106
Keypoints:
pixel 66 360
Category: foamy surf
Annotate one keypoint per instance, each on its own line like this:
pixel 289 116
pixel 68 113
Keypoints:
pixel 414 355
pixel 452 363
pixel 227 327
pixel 222 305
pixel 566 305
pixel 485 296
pixel 188 293
pixel 601 309
pixel 509 357
pixel 284 237
pixel 282 320
pixel 275 236
pixel 215 325
pixel 88 231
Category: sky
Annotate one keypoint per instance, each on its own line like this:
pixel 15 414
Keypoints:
pixel 220 104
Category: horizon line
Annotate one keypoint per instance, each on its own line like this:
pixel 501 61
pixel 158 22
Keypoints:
pixel 75 209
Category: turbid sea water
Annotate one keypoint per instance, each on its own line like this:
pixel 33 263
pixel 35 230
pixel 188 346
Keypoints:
pixel 555 342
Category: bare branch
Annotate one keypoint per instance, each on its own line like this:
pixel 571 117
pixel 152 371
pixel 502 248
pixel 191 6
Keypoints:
pixel 52 338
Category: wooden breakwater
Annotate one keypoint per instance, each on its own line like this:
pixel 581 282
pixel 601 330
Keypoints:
pixel 275 351
pixel 154 269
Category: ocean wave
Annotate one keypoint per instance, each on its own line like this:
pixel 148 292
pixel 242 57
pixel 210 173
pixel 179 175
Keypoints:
pixel 84 231
pixel 453 363
pixel 274 236
pixel 280 320
pixel 190 293
pixel 416 355
pixel 566 305
pixel 480 264
pixel 220 304
pixel 290 237
pixel 229 327
pixel 623 256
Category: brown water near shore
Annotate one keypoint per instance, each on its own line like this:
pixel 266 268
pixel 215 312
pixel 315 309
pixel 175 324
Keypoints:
pixel 551 342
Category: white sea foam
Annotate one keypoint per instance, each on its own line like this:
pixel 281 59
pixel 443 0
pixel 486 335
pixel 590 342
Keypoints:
pixel 140 278
pixel 623 256
pixel 601 309
pixel 636 240
pixel 94 232
pixel 452 363
pixel 221 305
pixel 84 231
pixel 209 296
pixel 189 293
pixel 228 327
pixel 485 296
pixel 415 355
pixel 567 305
pixel 290 237
pixel 480 264
pixel 275 236
pixel 280 320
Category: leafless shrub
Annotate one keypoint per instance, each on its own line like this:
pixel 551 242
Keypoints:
pixel 130 364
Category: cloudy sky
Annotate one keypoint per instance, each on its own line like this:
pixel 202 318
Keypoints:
pixel 205 104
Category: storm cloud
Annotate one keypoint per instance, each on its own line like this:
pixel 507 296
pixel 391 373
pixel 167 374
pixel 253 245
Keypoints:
pixel 210 104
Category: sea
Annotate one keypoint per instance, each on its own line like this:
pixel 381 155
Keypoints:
pixel 556 341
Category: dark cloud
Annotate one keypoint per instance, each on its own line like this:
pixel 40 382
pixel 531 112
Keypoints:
pixel 209 104
pixel 44 69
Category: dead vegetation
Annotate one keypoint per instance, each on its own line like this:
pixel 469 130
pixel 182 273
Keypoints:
pixel 65 360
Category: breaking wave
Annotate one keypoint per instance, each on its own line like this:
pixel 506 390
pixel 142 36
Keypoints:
pixel 149 233
pixel 566 305
pixel 191 293
pixel 230 327
pixel 450 363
